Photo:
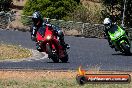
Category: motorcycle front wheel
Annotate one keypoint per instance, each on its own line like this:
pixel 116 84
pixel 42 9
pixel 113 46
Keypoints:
pixel 54 56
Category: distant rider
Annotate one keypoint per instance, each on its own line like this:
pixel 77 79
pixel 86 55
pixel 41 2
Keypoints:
pixel 109 26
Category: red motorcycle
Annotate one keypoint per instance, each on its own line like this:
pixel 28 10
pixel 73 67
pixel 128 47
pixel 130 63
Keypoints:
pixel 50 44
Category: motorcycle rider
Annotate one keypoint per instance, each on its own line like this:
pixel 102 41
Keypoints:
pixel 38 23
pixel 109 26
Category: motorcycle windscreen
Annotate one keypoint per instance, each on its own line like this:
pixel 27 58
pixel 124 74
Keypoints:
pixel 115 32
pixel 41 31
pixel 113 29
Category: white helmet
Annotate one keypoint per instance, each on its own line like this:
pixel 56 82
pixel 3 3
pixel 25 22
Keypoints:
pixel 107 23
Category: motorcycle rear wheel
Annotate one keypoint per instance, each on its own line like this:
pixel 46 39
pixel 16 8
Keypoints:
pixel 65 59
pixel 126 49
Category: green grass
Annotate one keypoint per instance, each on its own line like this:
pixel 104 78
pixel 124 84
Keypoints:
pixel 13 52
pixel 54 83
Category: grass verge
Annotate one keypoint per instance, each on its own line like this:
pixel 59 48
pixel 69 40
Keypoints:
pixel 47 79
pixel 13 52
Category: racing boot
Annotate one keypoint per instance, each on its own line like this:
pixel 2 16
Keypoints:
pixel 38 47
pixel 33 34
pixel 61 38
pixel 116 49
pixel 33 37
pixel 110 44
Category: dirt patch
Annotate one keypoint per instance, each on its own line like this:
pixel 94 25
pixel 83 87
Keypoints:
pixel 72 32
pixel 36 74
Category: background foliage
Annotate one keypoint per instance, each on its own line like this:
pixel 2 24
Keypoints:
pixel 63 9
pixel 50 8
pixel 114 9
pixel 83 14
pixel 5 5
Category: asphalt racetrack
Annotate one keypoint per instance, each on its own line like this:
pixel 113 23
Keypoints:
pixel 91 53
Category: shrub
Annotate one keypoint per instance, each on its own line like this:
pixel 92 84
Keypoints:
pixel 5 5
pixel 84 14
pixel 115 10
pixel 50 8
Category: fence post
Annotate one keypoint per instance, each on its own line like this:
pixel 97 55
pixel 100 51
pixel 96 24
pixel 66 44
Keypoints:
pixel 83 28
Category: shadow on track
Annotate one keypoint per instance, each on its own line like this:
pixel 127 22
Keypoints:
pixel 122 54
pixel 58 62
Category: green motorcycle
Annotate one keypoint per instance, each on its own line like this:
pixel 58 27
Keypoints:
pixel 120 40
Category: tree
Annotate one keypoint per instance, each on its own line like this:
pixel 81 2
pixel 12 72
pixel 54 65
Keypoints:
pixel 83 14
pixel 128 17
pixel 115 10
pixel 78 1
pixel 50 8
pixel 5 5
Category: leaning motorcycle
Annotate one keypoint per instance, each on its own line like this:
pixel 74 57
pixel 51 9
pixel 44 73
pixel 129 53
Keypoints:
pixel 50 44
pixel 120 40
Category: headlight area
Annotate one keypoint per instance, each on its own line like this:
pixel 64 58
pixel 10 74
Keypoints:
pixel 117 35
pixel 124 35
pixel 48 37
